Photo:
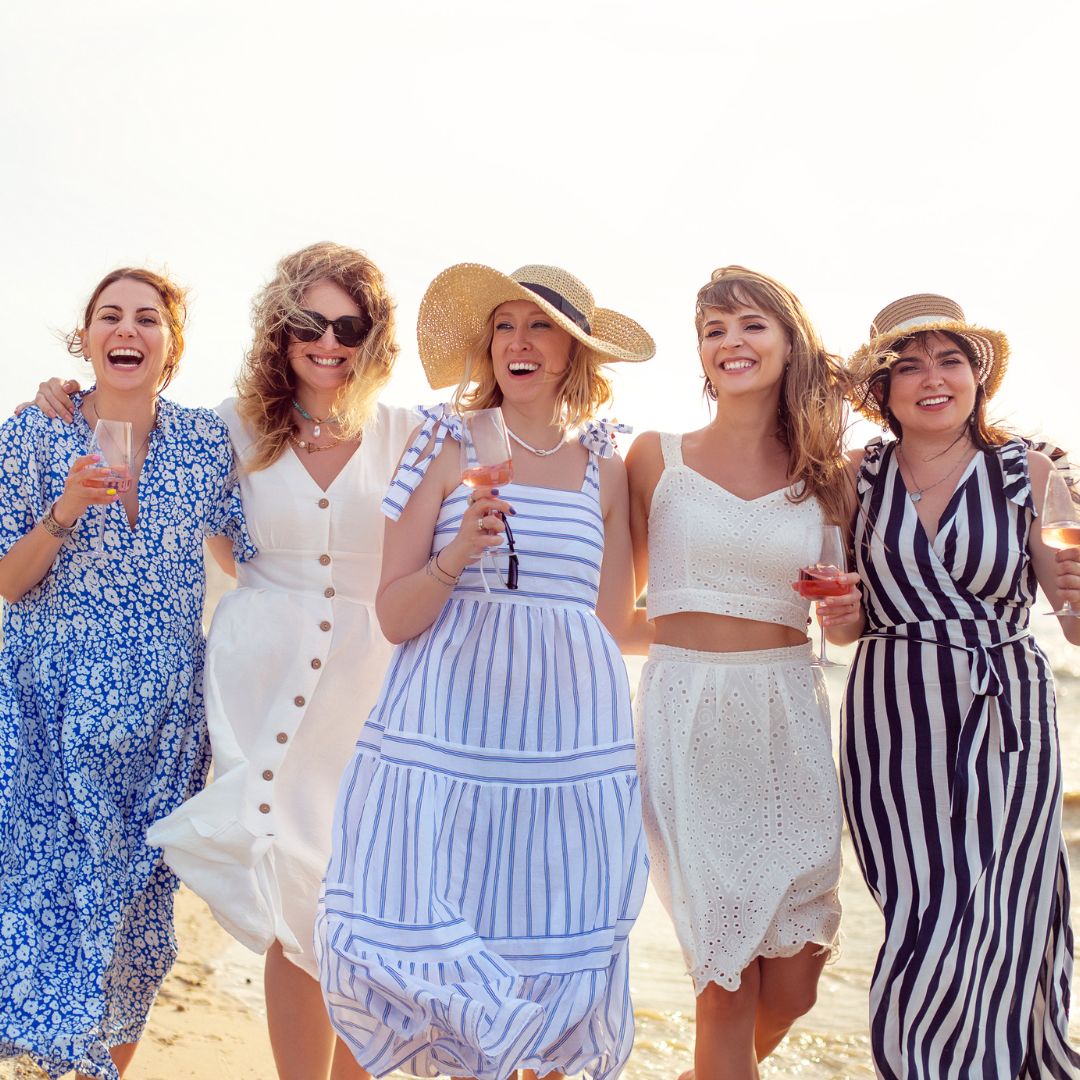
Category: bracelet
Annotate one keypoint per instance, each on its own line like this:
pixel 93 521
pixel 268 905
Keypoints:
pixel 434 570
pixel 53 527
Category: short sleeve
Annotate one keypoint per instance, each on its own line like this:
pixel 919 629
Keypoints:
pixel 226 516
pixel 22 501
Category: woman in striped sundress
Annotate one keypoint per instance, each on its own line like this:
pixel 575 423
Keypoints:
pixel 951 776
pixel 488 857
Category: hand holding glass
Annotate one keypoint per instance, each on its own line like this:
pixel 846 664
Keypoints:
pixel 111 441
pixel 485 462
pixel 821 579
pixel 1060 524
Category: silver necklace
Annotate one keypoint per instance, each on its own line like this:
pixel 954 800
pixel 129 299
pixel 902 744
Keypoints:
pixel 916 495
pixel 532 449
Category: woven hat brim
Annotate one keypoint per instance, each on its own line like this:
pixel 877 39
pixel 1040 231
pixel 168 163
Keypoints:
pixel 991 348
pixel 456 307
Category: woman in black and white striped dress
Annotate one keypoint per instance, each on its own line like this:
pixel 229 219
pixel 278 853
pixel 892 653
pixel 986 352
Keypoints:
pixel 951 775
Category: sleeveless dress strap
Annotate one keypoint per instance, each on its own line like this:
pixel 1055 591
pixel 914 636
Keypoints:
pixel 671 449
pixel 873 455
pixel 439 422
pixel 598 436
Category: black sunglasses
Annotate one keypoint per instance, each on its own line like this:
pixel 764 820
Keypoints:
pixel 349 330
pixel 510 578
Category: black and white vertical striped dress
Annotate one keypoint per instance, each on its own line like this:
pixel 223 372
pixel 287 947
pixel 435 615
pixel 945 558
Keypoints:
pixel 952 782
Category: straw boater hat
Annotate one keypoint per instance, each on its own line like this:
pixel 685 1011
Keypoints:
pixel 912 314
pixel 457 304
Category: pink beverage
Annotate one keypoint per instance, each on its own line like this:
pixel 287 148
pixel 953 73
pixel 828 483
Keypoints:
pixel 491 476
pixel 117 479
pixel 1061 534
pixel 818 582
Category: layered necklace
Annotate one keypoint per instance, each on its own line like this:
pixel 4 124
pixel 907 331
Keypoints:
pixel 301 443
pixel 532 449
pixel 918 493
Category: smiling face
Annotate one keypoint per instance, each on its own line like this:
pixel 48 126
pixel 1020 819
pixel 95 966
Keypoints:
pixel 530 354
pixel 127 339
pixel 323 366
pixel 932 384
pixel 743 351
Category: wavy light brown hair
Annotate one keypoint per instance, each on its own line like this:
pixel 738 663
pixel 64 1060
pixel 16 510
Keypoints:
pixel 266 385
pixel 811 394
pixel 583 392
pixel 173 307
pixel 985 434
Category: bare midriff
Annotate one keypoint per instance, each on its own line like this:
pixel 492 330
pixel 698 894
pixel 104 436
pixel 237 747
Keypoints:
pixel 704 632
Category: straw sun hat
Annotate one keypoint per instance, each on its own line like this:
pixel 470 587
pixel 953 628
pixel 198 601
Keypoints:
pixel 910 315
pixel 457 304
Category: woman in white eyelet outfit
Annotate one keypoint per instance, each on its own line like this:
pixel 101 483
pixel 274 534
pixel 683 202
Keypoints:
pixel 740 796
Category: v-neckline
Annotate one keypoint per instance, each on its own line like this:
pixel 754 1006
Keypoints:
pixel 334 479
pixel 948 514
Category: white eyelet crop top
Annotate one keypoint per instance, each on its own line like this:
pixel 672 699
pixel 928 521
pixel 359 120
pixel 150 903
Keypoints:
pixel 711 551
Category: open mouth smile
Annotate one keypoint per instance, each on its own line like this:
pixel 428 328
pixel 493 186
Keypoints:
pixel 933 402
pixel 737 365
pixel 522 367
pixel 326 361
pixel 125 358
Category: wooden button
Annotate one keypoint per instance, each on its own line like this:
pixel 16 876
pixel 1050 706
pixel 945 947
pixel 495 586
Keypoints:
pixel 264 808
pixel 324 560
pixel 299 701
pixel 324 503
pixel 268 774
pixel 328 592
pixel 282 737
pixel 324 625
pixel 316 663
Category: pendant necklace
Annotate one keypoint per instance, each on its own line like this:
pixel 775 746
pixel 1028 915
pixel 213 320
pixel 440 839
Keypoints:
pixel 316 431
pixel 916 495
pixel 532 449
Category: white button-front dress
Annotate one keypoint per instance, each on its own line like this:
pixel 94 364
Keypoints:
pixel 294 662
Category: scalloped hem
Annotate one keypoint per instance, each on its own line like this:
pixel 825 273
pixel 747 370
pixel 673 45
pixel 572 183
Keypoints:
pixel 702 977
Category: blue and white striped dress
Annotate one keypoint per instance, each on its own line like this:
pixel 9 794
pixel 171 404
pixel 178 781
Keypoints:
pixel 952 782
pixel 488 858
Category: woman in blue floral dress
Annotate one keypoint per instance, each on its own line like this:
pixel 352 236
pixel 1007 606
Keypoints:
pixel 101 713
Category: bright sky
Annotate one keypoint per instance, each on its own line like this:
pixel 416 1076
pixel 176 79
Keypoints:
pixel 855 149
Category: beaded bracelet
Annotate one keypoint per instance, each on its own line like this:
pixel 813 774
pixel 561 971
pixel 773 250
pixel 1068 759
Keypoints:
pixel 434 570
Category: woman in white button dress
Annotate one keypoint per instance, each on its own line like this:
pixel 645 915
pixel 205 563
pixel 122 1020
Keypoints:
pixel 295 656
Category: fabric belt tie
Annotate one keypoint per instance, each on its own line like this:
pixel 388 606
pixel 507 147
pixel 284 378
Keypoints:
pixel 966 771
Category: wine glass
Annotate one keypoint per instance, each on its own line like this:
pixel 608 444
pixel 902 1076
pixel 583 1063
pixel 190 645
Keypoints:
pixel 485 456
pixel 111 441
pixel 821 579
pixel 485 449
pixel 1060 524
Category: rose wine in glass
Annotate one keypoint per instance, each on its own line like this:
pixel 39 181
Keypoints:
pixel 111 441
pixel 819 580
pixel 1060 525
pixel 485 449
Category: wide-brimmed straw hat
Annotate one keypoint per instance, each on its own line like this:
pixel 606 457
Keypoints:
pixel 911 315
pixel 455 310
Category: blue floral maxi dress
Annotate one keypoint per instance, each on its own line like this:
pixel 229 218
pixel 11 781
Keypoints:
pixel 488 857
pixel 101 733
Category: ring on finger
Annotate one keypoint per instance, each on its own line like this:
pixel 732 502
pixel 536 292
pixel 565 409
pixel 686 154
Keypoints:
pixel 480 525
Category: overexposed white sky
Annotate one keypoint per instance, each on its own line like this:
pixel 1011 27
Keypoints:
pixel 855 149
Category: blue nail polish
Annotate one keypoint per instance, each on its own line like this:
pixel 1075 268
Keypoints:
pixel 494 492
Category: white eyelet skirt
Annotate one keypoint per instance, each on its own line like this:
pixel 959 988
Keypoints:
pixel 741 804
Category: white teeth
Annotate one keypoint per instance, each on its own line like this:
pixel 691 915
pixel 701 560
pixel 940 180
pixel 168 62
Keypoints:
pixel 522 365
pixel 737 365
pixel 934 400
pixel 327 361
pixel 118 353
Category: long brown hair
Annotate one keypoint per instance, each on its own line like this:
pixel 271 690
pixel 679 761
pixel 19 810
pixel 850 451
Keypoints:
pixel 173 306
pixel 811 418
pixel 266 385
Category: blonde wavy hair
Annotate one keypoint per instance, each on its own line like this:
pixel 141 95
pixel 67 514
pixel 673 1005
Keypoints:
pixel 266 385
pixel 583 392
pixel 811 414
